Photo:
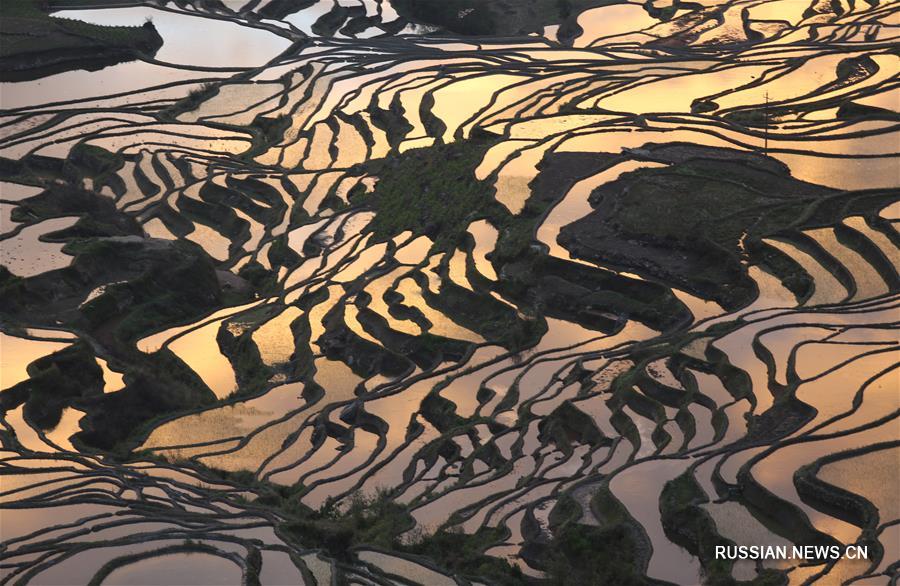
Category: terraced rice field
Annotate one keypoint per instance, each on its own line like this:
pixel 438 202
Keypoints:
pixel 328 293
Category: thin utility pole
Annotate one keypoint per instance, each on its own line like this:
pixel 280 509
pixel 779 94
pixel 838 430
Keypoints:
pixel 766 126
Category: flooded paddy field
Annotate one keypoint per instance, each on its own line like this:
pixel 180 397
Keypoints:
pixel 519 292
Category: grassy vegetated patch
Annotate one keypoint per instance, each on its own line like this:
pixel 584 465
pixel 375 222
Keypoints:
pixel 567 425
pixel 376 521
pixel 146 287
pixel 251 373
pixel 339 342
pixel 139 286
pixel 329 23
pixel 379 522
pixel 96 163
pixel 463 554
pixel 585 554
pixel 681 222
pixel 432 191
pixel 177 283
pixel 278 9
pixel 594 298
pixel 271 131
pixel 192 100
pixel 157 385
pixel 500 17
pixel 146 284
pixel 69 175
pixel 687 223
pixel 54 382
pixel 440 412
pixel 478 311
pixel 107 250
pixel 690 526
pixel 34 44
pixel 608 553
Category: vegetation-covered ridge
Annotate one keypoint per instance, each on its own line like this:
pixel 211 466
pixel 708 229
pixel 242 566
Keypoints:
pixel 499 18
pixel 34 44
